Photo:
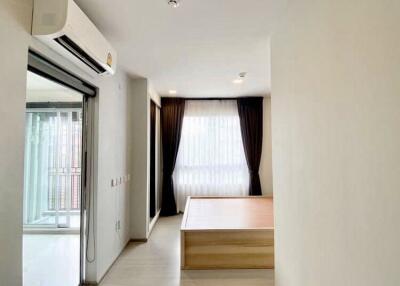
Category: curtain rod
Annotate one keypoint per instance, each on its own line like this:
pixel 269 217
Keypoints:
pixel 213 98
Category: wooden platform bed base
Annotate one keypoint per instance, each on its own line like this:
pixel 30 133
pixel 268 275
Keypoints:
pixel 227 233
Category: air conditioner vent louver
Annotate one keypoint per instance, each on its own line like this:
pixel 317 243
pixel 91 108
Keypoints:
pixel 79 53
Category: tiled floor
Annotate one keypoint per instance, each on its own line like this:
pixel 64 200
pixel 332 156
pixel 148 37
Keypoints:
pixel 51 260
pixel 157 263
pixel 75 221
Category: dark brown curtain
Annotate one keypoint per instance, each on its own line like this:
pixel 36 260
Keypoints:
pixel 172 110
pixel 251 124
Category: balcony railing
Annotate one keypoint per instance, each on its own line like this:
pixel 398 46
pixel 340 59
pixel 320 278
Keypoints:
pixel 53 151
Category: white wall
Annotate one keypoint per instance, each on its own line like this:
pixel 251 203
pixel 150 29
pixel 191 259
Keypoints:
pixel 113 156
pixel 139 155
pixel 266 156
pixel 112 148
pixel 141 93
pixel 336 155
pixel 15 19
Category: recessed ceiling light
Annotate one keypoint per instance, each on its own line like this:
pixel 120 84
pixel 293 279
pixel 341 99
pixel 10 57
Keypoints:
pixel 172 92
pixel 174 3
pixel 238 81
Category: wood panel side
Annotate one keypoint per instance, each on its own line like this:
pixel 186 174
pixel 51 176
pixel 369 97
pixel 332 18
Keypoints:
pixel 239 249
pixel 183 250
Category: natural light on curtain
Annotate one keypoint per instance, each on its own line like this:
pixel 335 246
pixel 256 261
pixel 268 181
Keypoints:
pixel 211 159
pixel 52 165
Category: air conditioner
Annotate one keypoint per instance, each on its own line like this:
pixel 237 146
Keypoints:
pixel 63 26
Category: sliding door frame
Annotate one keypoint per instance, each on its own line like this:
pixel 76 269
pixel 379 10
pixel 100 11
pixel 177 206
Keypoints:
pixel 48 107
pixel 156 161
pixel 48 69
pixel 153 171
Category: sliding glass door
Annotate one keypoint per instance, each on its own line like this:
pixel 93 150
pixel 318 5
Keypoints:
pixel 58 190
pixel 53 150
pixel 52 183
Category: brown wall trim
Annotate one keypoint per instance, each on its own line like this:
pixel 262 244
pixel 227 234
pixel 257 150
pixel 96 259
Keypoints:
pixel 214 98
pixel 138 240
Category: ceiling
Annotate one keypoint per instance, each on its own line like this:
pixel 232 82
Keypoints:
pixel 40 89
pixel 39 83
pixel 197 49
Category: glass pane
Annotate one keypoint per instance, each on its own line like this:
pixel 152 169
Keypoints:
pixel 38 179
pixel 52 186
pixel 53 167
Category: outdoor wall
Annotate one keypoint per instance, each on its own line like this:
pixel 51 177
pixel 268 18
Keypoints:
pixel 335 133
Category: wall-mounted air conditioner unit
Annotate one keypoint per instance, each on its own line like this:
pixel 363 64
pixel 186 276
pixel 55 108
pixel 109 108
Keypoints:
pixel 63 26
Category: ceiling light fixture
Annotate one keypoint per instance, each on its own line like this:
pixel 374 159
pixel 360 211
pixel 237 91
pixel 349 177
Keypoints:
pixel 242 74
pixel 172 92
pixel 174 3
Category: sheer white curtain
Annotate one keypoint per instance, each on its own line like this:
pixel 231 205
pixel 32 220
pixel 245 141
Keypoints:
pixel 211 159
pixel 52 165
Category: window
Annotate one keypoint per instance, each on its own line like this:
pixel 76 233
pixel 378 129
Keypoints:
pixel 211 159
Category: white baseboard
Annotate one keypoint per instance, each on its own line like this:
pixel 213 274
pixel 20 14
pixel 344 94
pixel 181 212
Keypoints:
pixel 54 231
pixel 154 221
